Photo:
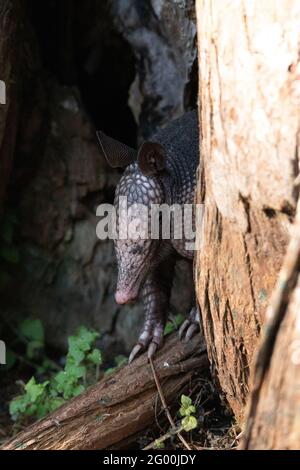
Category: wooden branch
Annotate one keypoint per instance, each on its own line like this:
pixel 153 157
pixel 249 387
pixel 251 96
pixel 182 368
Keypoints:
pixel 119 406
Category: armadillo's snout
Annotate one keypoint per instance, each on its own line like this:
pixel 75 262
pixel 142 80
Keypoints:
pixel 123 297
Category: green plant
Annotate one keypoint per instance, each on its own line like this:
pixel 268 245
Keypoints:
pixel 82 359
pixel 187 423
pixel 158 444
pixel 30 333
pixel 187 411
pixel 174 324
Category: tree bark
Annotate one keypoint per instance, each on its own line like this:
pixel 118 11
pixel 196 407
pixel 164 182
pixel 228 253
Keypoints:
pixel 249 126
pixel 115 410
pixel 274 411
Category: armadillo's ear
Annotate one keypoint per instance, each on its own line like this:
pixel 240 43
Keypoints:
pixel 118 155
pixel 151 158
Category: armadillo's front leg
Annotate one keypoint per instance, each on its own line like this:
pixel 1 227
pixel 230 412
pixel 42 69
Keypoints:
pixel 155 296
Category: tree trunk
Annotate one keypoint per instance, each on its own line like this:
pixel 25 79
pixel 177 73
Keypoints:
pixel 9 66
pixel 115 410
pixel 249 126
pixel 274 412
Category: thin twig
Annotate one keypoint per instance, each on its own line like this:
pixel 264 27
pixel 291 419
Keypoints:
pixel 161 439
pixel 156 413
pixel 165 407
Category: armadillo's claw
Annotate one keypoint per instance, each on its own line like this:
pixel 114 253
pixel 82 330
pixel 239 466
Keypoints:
pixel 152 350
pixel 136 349
pixel 190 326
pixel 150 339
pixel 184 327
pixel 191 331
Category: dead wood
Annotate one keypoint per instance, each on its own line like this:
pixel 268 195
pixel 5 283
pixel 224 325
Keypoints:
pixel 117 407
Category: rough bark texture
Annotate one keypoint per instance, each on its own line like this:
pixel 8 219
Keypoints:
pixel 117 408
pixel 249 110
pixel 9 66
pixel 274 412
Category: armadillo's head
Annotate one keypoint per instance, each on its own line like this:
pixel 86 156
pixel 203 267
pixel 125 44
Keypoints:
pixel 138 253
pixel 140 184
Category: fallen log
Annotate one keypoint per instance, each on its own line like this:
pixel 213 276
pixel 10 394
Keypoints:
pixel 119 406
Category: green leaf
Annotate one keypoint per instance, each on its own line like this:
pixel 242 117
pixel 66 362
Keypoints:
pixel 189 423
pixel 80 343
pixel 66 382
pixel 187 411
pixel 75 354
pixel 34 390
pixel 75 372
pixel 187 408
pixel 41 398
pixel 158 444
pixel 63 384
pixel 55 403
pixel 179 319
pixel 95 356
pixel 46 366
pixel 32 402
pixel 169 328
pixel 78 390
pixel 62 380
pixel 17 407
pixel 185 401
pixel 33 330
pixel 85 338
pixel 173 325
pixel 32 348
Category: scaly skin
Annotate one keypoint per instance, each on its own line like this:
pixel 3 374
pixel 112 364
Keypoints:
pixel 191 325
pixel 155 296
pixel 146 267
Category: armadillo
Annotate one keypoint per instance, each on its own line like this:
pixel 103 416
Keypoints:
pixel 161 171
